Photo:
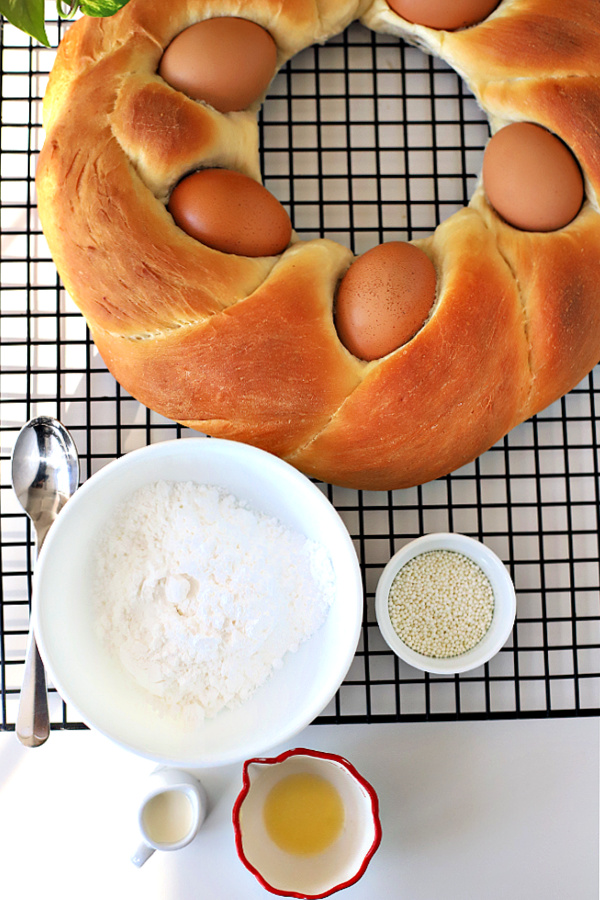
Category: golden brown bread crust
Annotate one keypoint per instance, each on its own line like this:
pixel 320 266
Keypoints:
pixel 401 409
pixel 246 348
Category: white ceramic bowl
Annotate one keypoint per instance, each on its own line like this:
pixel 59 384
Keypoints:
pixel 106 697
pixel 504 603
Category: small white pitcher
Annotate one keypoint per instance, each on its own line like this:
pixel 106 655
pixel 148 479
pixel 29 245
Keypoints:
pixel 170 813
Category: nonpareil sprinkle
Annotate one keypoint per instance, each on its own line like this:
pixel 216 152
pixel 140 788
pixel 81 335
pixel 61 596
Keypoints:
pixel 441 603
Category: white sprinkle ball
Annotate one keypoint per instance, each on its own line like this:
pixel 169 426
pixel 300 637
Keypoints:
pixel 441 603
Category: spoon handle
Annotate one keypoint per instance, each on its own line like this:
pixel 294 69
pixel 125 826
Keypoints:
pixel 33 717
pixel 33 720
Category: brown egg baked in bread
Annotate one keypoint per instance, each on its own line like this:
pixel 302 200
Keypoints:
pixel 246 347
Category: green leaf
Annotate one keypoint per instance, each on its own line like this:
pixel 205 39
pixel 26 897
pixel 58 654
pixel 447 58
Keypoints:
pixel 28 16
pixel 102 7
pixel 67 8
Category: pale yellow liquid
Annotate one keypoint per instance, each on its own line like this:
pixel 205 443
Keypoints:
pixel 168 817
pixel 303 814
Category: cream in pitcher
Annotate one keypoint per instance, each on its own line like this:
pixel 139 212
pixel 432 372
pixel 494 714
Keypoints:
pixel 170 814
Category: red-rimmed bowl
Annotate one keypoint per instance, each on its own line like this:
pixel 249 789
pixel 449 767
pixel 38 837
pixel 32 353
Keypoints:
pixel 313 875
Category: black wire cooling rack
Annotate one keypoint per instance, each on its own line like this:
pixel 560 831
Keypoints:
pixel 364 140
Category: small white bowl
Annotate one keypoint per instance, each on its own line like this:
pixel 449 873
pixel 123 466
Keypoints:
pixel 504 603
pixel 98 687
pixel 315 875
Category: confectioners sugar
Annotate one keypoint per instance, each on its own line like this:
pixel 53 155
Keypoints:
pixel 201 596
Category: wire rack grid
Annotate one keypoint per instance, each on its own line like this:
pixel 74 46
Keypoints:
pixel 365 139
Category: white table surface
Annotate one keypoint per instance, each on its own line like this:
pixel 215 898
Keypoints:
pixel 470 811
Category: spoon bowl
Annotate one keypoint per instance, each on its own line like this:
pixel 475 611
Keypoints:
pixel 45 473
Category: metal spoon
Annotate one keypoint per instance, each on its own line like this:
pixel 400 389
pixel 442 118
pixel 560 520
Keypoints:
pixel 45 473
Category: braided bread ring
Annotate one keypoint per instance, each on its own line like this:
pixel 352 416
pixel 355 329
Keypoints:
pixel 246 348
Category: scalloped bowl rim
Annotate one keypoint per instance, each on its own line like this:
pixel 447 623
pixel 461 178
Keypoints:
pixel 371 798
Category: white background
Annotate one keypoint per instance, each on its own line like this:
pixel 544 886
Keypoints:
pixel 470 811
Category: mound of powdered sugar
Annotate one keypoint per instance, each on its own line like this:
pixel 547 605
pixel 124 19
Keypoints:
pixel 201 597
